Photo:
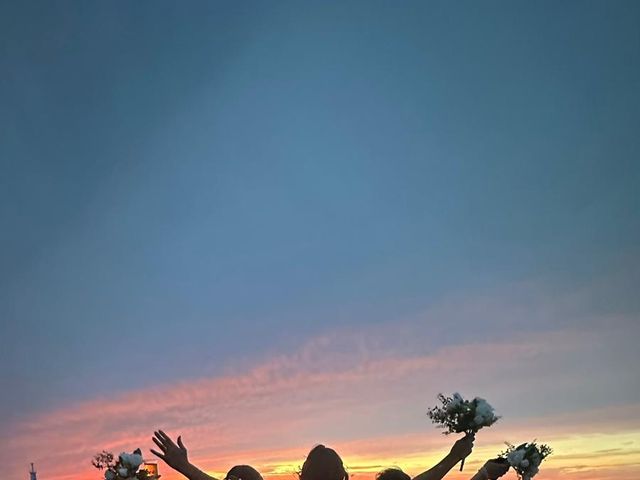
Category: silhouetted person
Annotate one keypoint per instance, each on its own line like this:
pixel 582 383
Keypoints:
pixel 323 463
pixel 243 472
pixel 392 474
pixel 176 457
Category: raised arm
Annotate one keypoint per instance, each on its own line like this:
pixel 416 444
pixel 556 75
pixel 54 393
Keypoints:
pixel 176 456
pixel 461 449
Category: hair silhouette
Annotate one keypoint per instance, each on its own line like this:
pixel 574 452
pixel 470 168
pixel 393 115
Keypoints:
pixel 323 463
pixel 243 472
pixel 392 474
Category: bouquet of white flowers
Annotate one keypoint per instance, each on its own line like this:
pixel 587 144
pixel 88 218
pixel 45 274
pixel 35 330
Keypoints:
pixel 457 415
pixel 127 467
pixel 526 458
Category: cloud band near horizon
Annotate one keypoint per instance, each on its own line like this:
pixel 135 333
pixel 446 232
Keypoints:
pixel 366 394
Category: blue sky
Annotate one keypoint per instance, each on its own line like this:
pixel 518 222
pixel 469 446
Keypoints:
pixel 187 187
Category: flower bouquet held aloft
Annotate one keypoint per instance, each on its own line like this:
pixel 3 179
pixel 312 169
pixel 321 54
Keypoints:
pixel 526 458
pixel 457 415
pixel 127 467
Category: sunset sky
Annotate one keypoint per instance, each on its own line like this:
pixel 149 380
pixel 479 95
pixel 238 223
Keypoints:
pixel 268 225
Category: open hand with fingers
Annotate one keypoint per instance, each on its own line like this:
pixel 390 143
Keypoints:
pixel 174 455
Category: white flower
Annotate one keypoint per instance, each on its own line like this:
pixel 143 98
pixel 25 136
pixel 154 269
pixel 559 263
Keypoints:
pixel 535 458
pixel 484 410
pixel 123 472
pixel 515 457
pixel 524 463
pixel 110 475
pixel 456 401
pixel 133 461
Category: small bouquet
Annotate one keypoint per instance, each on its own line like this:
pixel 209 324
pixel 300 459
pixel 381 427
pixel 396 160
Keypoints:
pixel 127 467
pixel 526 458
pixel 457 415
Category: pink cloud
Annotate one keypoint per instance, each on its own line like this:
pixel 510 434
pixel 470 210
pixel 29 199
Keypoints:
pixel 363 393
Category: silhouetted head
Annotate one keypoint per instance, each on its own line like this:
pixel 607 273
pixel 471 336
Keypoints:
pixel 243 472
pixel 323 463
pixel 392 474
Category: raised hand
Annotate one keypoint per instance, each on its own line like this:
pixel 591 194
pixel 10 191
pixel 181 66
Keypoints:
pixel 495 469
pixel 174 455
pixel 492 470
pixel 463 447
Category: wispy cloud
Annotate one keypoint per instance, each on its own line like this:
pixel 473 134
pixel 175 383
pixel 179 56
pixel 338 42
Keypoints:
pixel 343 388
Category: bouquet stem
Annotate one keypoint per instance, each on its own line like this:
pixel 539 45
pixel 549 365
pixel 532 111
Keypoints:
pixel 462 464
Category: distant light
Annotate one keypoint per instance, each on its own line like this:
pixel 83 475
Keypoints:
pixel 151 468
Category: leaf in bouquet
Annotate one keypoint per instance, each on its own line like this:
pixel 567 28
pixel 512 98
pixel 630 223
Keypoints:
pixel 451 416
pixel 545 450
pixel 507 451
pixel 103 460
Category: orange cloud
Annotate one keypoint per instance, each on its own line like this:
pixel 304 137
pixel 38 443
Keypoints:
pixel 347 390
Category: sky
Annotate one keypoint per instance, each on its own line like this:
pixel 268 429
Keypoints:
pixel 268 225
